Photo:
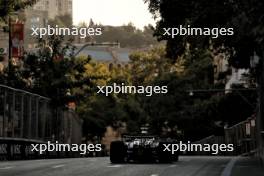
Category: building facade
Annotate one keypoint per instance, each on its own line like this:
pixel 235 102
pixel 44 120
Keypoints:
pixel 39 15
pixel 64 7
pixel 54 7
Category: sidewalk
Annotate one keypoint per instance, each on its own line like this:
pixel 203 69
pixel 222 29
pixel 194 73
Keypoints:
pixel 247 166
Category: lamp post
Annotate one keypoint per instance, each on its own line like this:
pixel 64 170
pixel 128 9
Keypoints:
pixel 10 39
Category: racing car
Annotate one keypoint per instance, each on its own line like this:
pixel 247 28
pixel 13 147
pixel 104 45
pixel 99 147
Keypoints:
pixel 141 149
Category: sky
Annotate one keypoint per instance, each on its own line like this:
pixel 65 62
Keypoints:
pixel 112 12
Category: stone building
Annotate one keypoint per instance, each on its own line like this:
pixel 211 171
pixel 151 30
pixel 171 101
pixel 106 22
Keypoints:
pixel 54 7
pixel 40 14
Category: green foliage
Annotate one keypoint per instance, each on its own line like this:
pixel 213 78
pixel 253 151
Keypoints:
pixel 147 65
pixel 197 116
pixel 13 77
pixel 176 109
pixel 99 111
pixel 246 17
pixel 204 113
pixel 54 71
pixel 9 6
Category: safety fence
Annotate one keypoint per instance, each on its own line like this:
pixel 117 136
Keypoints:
pixel 27 118
pixel 241 135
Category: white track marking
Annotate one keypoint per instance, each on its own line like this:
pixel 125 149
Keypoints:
pixel 114 166
pixel 58 166
pixel 173 165
pixel 228 169
pixel 5 168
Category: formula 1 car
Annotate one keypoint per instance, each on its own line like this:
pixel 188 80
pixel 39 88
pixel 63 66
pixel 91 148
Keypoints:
pixel 141 149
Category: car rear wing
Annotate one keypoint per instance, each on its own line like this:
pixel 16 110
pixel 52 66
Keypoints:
pixel 132 137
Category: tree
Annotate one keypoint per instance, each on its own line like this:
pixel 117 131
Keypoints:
pixel 99 111
pixel 196 116
pixel 147 65
pixel 9 6
pixel 54 70
pixel 245 17
pixel 175 109
pixel 13 76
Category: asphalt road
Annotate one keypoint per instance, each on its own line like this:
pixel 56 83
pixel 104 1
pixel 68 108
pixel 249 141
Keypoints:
pixel 187 166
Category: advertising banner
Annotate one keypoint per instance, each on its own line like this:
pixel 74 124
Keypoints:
pixel 17 37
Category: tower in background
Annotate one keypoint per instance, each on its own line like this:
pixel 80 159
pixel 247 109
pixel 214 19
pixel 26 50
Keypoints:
pixel 64 7
pixel 39 15
pixel 54 7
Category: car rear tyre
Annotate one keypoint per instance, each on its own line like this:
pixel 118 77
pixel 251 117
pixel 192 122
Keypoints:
pixel 164 156
pixel 175 158
pixel 117 152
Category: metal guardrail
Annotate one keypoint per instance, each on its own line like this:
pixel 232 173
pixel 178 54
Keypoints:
pixel 24 114
pixel 241 135
pixel 27 118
